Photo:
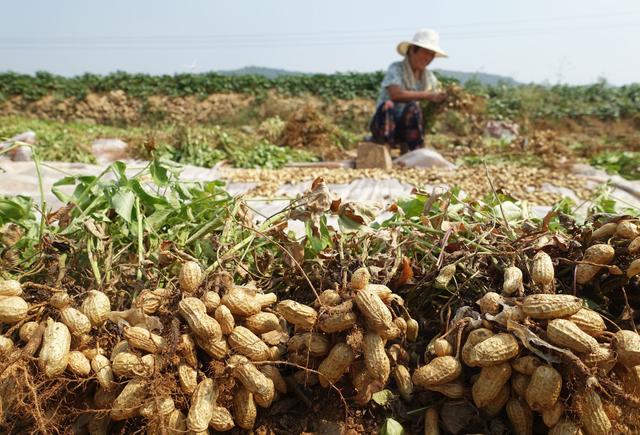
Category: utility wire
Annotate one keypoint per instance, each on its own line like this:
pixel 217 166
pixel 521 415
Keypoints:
pixel 364 34
pixel 274 43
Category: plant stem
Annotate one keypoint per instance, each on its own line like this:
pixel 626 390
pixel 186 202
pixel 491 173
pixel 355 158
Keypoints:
pixel 43 203
pixel 140 239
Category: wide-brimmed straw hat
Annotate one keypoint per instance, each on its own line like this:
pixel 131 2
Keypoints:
pixel 425 38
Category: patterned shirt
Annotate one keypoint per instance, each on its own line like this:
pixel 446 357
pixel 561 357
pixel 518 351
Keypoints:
pixel 393 76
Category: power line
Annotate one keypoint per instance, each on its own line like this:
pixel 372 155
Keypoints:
pixel 177 45
pixel 391 32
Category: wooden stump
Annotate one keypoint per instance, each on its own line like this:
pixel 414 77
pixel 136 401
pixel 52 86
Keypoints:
pixel 372 155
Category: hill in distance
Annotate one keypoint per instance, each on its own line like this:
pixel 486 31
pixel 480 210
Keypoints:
pixel 271 73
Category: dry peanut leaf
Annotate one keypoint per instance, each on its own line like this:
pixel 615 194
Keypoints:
pixel 406 274
pixel 391 427
pixel 383 397
pixel 360 213
pixel 90 225
pixel 459 417
pixel 455 227
pixel 295 254
pixel 529 339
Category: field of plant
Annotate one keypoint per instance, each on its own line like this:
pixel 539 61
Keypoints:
pixel 251 121
pixel 146 304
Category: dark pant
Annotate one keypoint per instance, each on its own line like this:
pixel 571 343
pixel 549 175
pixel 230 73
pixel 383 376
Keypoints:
pixel 404 130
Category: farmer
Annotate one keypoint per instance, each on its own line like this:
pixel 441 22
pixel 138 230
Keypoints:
pixel 398 118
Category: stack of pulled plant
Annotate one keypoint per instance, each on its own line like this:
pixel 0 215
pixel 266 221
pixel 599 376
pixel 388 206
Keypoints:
pixel 191 358
pixel 544 361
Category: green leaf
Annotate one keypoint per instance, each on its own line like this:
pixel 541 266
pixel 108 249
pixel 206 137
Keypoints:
pixel 608 205
pixel 413 207
pixel 63 197
pixel 316 242
pixel 120 168
pixel 157 219
pixel 86 179
pixel 324 232
pixel 66 181
pixel 11 210
pixel 391 427
pixel 159 173
pixel 215 186
pixel 183 192
pixel 348 225
pixel 122 203
pixel 383 397
pixel 146 197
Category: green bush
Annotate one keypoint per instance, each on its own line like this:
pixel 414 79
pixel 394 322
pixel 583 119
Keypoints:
pixel 625 163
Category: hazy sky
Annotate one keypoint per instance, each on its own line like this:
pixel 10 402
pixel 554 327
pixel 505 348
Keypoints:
pixel 569 41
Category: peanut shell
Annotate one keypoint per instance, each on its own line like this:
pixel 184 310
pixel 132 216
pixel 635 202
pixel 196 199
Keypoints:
pixel 526 364
pixel 491 380
pixel 337 322
pixel 542 272
pixel 567 334
pixel 589 321
pixel 26 330
pixel 476 336
pixel 77 322
pixel 494 350
pixel 302 316
pixel 101 366
pixel 627 345
pixel 241 302
pixel 431 422
pixel 127 404
pixel 453 390
pixel 604 231
pixel 335 364
pixel 194 311
pixel 202 402
pixel 251 378
pixel 520 417
pixel 512 281
pixel 551 416
pixel 545 306
pixel 440 370
pixel 490 303
pixel 599 254
pixel 190 277
pixel 79 364
pixel 594 419
pixel 10 287
pixel 225 319
pixel 566 427
pixel 375 358
pixel 262 322
pixel 544 388
pixel 54 351
pixel 494 407
pixel 403 380
pixel 96 307
pixel 140 338
pixel 221 419
pixel 312 342
pixel 246 343
pixel 244 409
pixel 360 278
pixel 373 309
pixel 13 309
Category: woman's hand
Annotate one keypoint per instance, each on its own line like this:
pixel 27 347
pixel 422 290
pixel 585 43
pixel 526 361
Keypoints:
pixel 436 97
pixel 396 93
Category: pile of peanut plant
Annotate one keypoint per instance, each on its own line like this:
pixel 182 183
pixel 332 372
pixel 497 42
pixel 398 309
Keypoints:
pixel 150 304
